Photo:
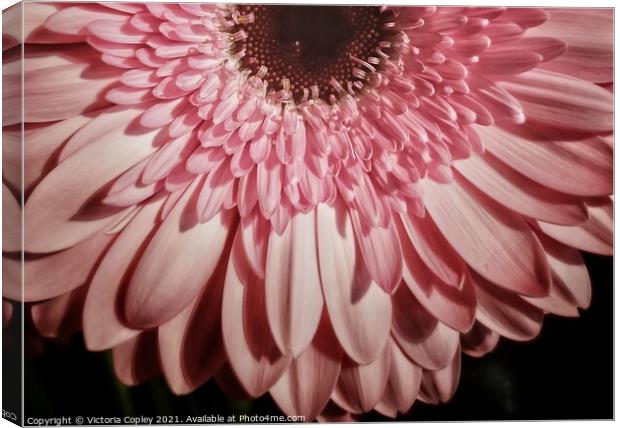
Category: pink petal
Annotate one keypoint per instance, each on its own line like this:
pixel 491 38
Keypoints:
pixel 56 213
pixel 433 248
pixel 134 360
pixel 40 145
pixel 63 91
pixel 163 112
pixel 74 20
pixel 229 384
pixel 269 184
pixel 360 387
pixel 51 275
pixel 60 316
pixel 426 341
pixel 595 235
pixel 175 265
pixel 11 221
pixel 359 310
pixel 562 102
pixel 570 286
pixel 216 188
pixel 453 303
pixel 255 232
pixel 588 35
pixel 403 383
pixel 190 345
pixel 250 348
pixel 507 62
pixel 12 156
pixel 161 163
pixel 440 385
pixel 117 31
pixel 380 249
pixel 582 168
pixel 305 387
pixel 494 241
pixel 519 193
pixel 506 313
pixel 292 284
pixel 479 341
pixel 103 325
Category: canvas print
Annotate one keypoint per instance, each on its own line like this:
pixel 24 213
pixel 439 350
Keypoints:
pixel 306 212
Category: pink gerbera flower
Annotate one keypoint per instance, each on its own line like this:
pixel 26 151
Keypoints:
pixel 322 203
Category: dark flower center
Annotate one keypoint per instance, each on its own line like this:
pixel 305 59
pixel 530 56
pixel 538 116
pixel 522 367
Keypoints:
pixel 311 46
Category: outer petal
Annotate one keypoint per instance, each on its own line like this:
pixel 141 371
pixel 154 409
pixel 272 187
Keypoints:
pixel 64 91
pixel 292 284
pixel 11 221
pixel 251 350
pixel 54 274
pixel 588 34
pixel 494 241
pixel 60 316
pixel 479 341
pixel 453 304
pixel 426 341
pixel 360 312
pixel 360 387
pixel 74 20
pixel 570 287
pixel 57 210
pixel 103 324
pixel 440 385
pixel 133 360
pixel 403 384
pixel 562 102
pixel 506 313
pixel 381 251
pixel 175 265
pixel 190 345
pixel 305 387
pixel 41 144
pixel 519 193
pixel 595 235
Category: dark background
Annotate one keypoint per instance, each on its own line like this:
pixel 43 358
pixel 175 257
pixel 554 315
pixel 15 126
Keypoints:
pixel 566 373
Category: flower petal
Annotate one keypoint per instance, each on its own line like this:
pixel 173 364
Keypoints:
pixel 403 384
pixel 250 348
pixel 133 360
pixel 190 345
pixel 359 310
pixel 426 341
pixel 292 284
pixel 582 168
pixel 64 91
pixel 56 212
pixel 452 303
pixel 595 235
pixel 494 241
pixel 175 265
pixel 51 275
pixel 305 387
pixel 479 341
pixel 506 313
pixel 103 325
pixel 519 193
pixel 360 387
pixel 440 385
pixel 11 221
pixel 380 249
pixel 60 316
pixel 562 102
pixel 588 34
